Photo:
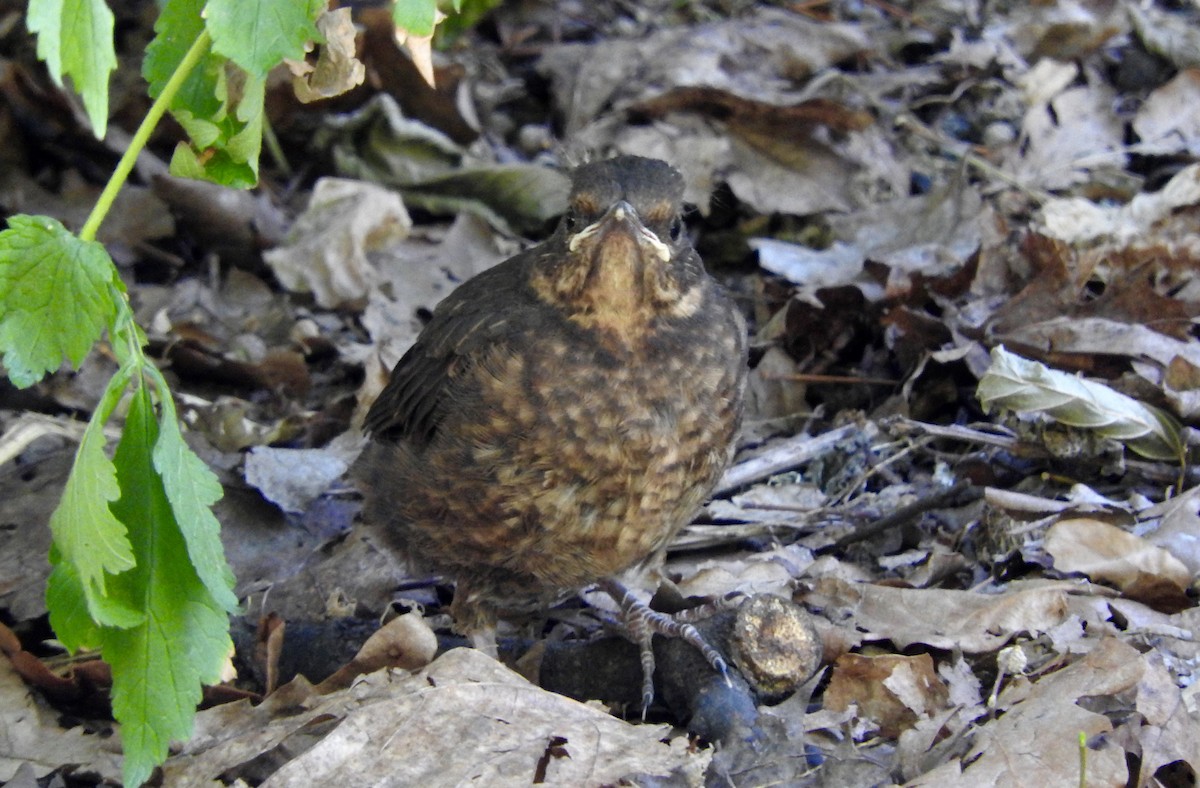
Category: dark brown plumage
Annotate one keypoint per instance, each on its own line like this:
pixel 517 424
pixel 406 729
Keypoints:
pixel 566 412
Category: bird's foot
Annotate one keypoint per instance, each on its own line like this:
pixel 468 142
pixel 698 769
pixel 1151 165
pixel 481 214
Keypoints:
pixel 643 624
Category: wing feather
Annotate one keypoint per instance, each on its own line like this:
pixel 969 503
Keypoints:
pixel 481 312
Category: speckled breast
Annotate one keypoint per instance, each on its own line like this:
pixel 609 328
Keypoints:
pixel 569 460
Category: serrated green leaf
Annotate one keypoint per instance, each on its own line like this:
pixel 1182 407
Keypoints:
pixel 467 14
pixel 226 146
pixel 1025 386
pixel 245 143
pixel 216 166
pixel 69 617
pixel 75 39
pixel 192 488
pixel 176 29
pixel 159 666
pixel 259 34
pixel 87 535
pixel 57 294
pixel 72 611
pixel 418 17
pixel 202 131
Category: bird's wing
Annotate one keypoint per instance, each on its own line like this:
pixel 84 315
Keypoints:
pixel 480 312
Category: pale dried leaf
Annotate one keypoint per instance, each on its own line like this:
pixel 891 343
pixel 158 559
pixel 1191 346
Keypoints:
pixel 1038 738
pixel 1018 384
pixel 1169 732
pixel 326 251
pixel 1107 554
pixel 463 719
pixel 1079 220
pixel 1178 530
pixel 1173 36
pixel 928 234
pixel 1069 136
pixel 338 69
pixel 292 478
pixel 944 618
pixel 30 733
pixel 1163 129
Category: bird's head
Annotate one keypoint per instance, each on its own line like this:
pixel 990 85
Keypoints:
pixel 621 260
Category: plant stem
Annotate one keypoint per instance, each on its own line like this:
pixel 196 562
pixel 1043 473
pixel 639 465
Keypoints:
pixel 142 136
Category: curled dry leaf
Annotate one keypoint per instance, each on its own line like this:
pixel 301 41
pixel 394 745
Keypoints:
pixel 1178 530
pixel 1079 220
pixel 32 736
pixel 463 719
pixel 405 642
pixel 893 690
pixel 1025 386
pixel 943 618
pixel 326 251
pixel 1107 554
pixel 1038 738
pixel 337 69
pixel 420 48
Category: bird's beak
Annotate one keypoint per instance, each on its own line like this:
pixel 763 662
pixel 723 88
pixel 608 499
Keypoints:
pixel 621 218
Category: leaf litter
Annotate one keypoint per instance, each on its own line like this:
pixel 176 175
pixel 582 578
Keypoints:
pixel 1002 576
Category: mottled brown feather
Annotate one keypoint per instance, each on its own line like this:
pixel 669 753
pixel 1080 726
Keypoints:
pixel 565 413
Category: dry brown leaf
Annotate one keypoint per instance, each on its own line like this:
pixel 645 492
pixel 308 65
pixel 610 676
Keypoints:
pixel 406 642
pixel 337 69
pixel 944 618
pixel 892 690
pixel 1037 740
pixel 1178 530
pixel 30 733
pixel 1168 733
pixel 326 251
pixel 1108 554
pixel 463 719
pixel 420 48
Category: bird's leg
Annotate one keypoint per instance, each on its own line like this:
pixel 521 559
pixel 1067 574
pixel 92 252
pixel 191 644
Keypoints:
pixel 643 623
pixel 484 640
pixel 475 619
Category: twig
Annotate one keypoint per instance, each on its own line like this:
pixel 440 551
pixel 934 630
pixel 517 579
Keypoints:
pixel 903 515
pixel 786 455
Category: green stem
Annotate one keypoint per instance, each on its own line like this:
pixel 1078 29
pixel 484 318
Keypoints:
pixel 142 136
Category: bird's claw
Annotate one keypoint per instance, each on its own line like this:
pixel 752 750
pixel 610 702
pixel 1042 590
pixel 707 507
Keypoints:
pixel 643 624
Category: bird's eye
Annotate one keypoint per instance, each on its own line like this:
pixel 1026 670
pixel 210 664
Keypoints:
pixel 676 228
pixel 570 221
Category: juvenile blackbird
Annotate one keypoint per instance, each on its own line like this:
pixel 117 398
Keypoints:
pixel 566 412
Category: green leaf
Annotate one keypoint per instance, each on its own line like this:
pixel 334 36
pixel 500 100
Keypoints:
pixel 192 488
pixel 57 294
pixel 1024 386
pixel 418 17
pixel 225 145
pixel 88 538
pixel 75 38
pixel 69 616
pixel 258 34
pixel 158 666
pixel 177 28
